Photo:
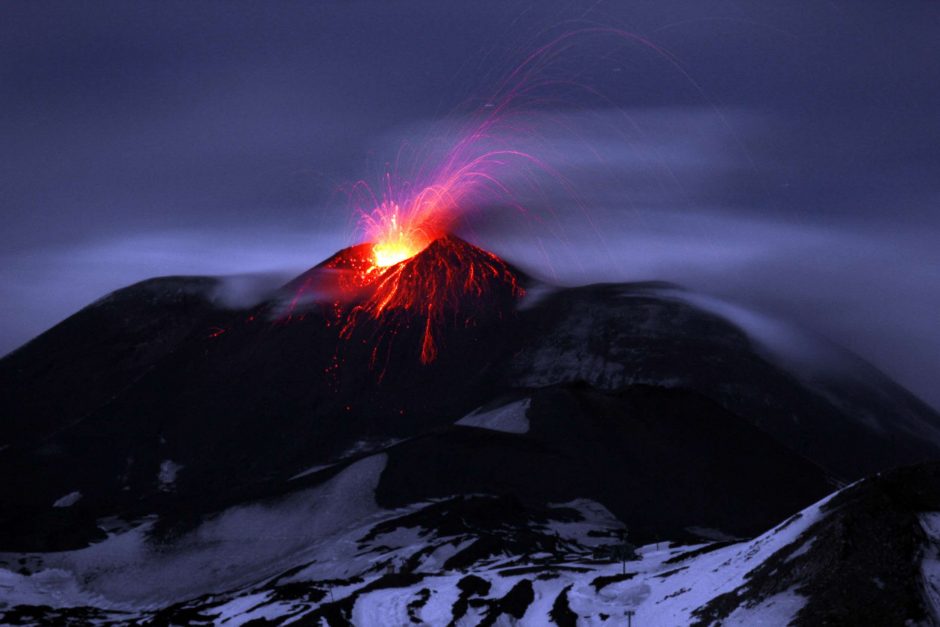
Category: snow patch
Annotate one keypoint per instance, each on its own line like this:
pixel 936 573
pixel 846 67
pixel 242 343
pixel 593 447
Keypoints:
pixel 595 518
pixel 361 447
pixel 802 550
pixel 166 478
pixel 68 500
pixel 310 471
pixel 48 587
pixel 358 448
pixel 241 545
pixel 509 418
pixel 930 563
pixel 779 609
pixel 385 607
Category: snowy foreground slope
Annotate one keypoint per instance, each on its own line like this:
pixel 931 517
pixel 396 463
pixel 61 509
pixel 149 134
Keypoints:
pixel 866 555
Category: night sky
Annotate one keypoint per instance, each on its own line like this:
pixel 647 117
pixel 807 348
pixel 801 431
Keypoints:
pixel 790 162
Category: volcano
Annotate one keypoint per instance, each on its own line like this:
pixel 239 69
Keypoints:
pixel 451 440
pixel 449 283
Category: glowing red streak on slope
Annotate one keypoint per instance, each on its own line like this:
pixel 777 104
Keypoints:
pixel 449 279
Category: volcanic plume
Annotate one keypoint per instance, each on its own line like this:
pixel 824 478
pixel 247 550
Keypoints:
pixel 412 273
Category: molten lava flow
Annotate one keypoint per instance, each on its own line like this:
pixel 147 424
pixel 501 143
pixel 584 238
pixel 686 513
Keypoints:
pixel 448 282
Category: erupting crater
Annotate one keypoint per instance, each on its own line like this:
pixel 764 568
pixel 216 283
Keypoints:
pixel 447 283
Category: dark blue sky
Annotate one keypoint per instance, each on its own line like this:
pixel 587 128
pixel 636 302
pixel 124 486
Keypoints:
pixel 794 168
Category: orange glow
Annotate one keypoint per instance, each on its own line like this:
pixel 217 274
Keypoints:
pixel 444 282
pixel 412 272
pixel 389 253
pixel 398 242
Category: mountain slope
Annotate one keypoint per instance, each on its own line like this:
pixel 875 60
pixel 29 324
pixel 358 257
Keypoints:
pixel 865 555
pixel 158 401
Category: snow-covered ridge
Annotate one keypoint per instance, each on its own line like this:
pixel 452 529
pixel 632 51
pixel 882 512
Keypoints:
pixel 239 546
pixel 367 566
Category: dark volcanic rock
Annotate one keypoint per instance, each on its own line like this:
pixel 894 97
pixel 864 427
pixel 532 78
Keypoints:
pixel 662 460
pixel 155 400
pixel 851 420
pixel 861 563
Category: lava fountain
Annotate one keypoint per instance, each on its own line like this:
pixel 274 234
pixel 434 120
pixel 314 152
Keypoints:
pixel 413 278
pixel 412 272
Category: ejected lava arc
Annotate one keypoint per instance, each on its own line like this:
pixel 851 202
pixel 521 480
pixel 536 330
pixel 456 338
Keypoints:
pixel 413 274
pixel 411 271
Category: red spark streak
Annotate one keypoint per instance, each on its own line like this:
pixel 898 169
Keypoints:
pixel 411 272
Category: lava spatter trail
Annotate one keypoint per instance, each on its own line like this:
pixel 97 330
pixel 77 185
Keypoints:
pixel 412 273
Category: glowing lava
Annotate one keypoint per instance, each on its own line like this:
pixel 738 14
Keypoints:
pixel 410 276
pixel 449 283
pixel 396 239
